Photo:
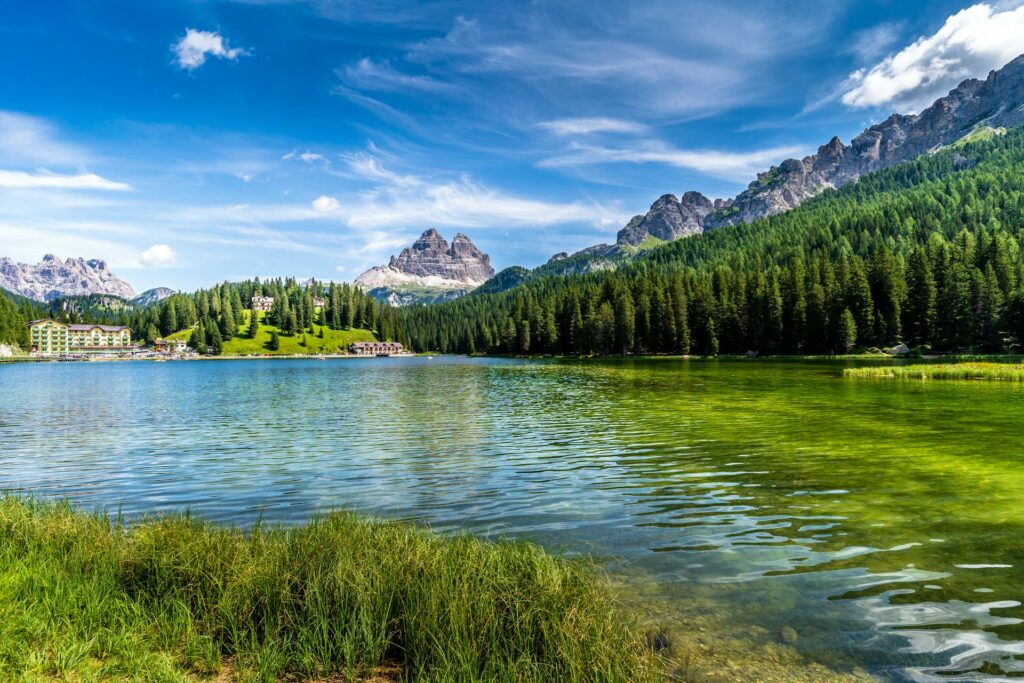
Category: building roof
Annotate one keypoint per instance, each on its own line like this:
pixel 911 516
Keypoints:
pixel 105 328
pixel 80 328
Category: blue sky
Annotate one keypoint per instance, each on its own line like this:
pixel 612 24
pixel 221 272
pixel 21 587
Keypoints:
pixel 191 142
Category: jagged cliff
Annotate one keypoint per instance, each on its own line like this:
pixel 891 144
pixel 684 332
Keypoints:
pixel 990 104
pixel 53 278
pixel 429 270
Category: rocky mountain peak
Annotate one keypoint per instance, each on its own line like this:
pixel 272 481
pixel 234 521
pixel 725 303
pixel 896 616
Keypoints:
pixel 53 277
pixel 431 263
pixel 974 106
pixel 669 218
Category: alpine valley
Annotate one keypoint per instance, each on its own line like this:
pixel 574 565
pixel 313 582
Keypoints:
pixel 768 430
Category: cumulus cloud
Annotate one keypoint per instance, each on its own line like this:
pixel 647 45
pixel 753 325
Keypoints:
pixel 325 204
pixel 585 126
pixel 970 43
pixel 159 256
pixel 192 50
pixel 47 180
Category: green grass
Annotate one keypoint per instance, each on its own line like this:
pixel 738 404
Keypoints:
pixel 175 599
pixel 979 134
pixel 333 340
pixel 983 371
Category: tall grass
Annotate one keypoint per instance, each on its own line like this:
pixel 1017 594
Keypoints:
pixel 983 371
pixel 174 598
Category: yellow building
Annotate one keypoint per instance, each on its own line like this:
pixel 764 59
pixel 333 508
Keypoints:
pixel 54 338
pixel 49 337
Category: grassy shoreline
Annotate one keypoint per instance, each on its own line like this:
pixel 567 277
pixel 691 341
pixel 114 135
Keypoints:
pixel 998 372
pixel 173 598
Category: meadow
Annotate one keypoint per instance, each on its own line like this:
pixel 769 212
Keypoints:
pixel 307 343
pixel 84 597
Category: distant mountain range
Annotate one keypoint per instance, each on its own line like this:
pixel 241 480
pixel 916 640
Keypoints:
pixel 54 278
pixel 429 271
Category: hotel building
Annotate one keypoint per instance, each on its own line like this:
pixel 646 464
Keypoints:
pixel 49 337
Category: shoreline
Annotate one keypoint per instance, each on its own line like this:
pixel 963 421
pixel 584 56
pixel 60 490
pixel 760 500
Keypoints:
pixel 956 358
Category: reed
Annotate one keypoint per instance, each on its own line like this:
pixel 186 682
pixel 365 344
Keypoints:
pixel 963 371
pixel 84 597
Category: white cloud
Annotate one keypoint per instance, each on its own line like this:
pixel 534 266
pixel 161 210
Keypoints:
pixel 307 156
pixel 192 49
pixel 31 140
pixel 738 166
pixel 585 126
pixel 367 74
pixel 45 179
pixel 325 204
pixel 159 256
pixel 970 43
pixel 874 42
pixel 244 176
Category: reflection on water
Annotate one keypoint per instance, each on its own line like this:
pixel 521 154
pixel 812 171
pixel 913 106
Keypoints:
pixel 881 521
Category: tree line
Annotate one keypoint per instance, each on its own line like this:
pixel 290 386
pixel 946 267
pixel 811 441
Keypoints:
pixel 218 314
pixel 927 253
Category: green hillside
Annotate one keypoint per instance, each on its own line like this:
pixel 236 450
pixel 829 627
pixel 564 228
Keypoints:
pixel 929 252
pixel 333 341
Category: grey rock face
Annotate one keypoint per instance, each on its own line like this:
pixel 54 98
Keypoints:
pixel 152 296
pixel 997 101
pixel 428 271
pixel 52 278
pixel 668 219
pixel 431 255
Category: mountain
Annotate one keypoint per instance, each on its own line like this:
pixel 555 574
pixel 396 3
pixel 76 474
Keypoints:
pixel 152 296
pixel 974 109
pixel 429 271
pixel 53 278
pixel 923 254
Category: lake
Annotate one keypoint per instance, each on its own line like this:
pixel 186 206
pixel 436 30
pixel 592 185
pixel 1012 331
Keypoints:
pixel 866 525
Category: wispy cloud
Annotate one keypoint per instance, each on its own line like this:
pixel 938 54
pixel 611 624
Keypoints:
pixel 32 140
pixel 588 125
pixel 970 44
pixel 735 166
pixel 192 49
pixel 43 179
pixel 367 74
pixel 306 156
pixel 875 42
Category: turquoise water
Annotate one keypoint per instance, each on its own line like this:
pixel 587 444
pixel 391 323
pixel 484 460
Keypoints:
pixel 882 521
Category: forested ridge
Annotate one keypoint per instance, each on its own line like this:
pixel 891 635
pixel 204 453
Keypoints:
pixel 927 253
pixel 216 314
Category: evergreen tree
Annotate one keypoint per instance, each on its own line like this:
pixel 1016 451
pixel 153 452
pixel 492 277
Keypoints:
pixel 254 324
pixel 198 338
pixel 919 312
pixel 847 331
